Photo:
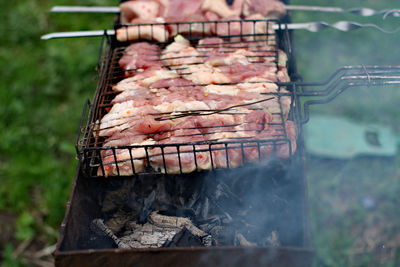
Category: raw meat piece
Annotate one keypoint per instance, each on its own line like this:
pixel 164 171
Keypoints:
pixel 138 9
pixel 140 95
pixel 125 115
pixel 204 74
pixel 140 56
pixel 151 11
pixel 182 9
pixel 267 8
pixel 210 124
pixel 207 44
pixel 144 78
pixel 124 163
pixel 183 133
pixel 226 154
pixel 146 30
pixel 282 147
pixel 240 72
pixel 221 8
pixel 192 26
pixel 244 30
pixel 180 53
pixel 172 82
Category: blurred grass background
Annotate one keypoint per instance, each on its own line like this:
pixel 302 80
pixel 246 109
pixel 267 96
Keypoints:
pixel 44 85
pixel 354 203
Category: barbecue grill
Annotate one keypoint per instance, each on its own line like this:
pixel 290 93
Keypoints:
pixel 89 144
pixel 90 150
pixel 283 178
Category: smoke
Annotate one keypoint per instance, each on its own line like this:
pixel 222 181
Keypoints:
pixel 353 202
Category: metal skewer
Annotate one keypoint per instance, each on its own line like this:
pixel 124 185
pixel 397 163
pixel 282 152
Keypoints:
pixel 84 9
pixel 56 35
pixel 344 26
pixel 362 11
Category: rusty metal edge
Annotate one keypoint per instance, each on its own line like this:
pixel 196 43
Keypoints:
pixel 184 249
pixel 67 212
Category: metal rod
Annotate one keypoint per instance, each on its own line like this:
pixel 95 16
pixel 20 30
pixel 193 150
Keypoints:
pixel 362 11
pixel 315 9
pixel 84 9
pixel 56 35
pixel 344 26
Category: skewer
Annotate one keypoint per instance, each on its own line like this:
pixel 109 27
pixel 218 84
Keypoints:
pixel 56 35
pixel 344 26
pixel 362 11
pixel 84 9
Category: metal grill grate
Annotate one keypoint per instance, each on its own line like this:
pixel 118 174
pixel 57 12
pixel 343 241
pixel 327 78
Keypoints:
pixel 99 160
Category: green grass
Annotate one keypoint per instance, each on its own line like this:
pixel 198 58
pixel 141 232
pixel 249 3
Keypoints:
pixel 43 88
pixel 44 85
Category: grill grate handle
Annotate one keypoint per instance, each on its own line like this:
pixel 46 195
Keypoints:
pixel 341 80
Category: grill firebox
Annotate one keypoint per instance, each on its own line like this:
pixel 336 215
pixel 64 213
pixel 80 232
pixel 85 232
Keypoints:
pixel 273 190
pixel 275 198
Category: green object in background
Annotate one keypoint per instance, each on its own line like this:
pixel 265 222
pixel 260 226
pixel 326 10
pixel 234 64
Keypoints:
pixel 336 137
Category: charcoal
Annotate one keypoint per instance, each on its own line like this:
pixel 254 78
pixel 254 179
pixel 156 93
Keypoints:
pixel 184 238
pixel 147 207
pixel 100 228
pixel 228 209
pixel 205 208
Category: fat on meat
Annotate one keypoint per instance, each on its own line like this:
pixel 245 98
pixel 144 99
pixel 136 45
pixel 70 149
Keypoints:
pixel 140 56
pixel 145 78
pixel 204 74
pixel 180 53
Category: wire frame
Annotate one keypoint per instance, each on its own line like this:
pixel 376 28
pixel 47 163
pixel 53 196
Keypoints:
pixel 186 157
